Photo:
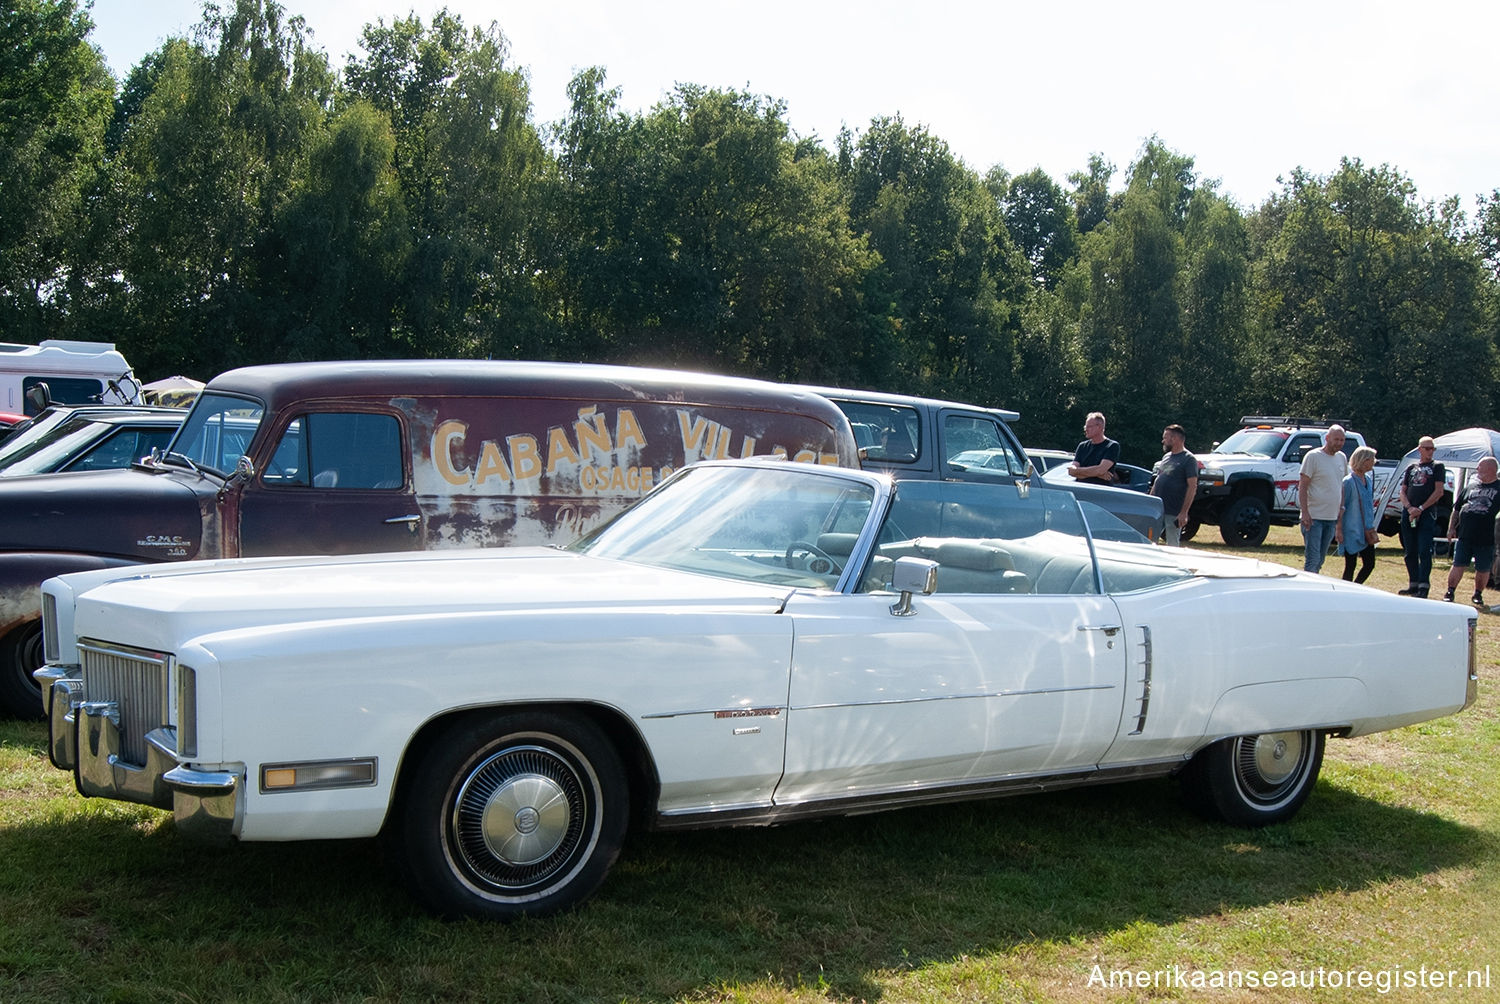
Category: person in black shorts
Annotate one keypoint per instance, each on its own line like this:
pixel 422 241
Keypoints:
pixel 1474 522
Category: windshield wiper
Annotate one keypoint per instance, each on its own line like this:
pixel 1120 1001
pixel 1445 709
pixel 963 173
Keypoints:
pixel 182 460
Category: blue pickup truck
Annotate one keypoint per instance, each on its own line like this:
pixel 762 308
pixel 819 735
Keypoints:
pixel 925 439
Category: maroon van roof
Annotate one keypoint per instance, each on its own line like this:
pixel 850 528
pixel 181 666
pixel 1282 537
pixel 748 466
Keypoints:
pixel 278 385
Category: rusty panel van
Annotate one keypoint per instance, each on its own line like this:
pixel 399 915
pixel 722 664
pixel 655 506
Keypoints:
pixel 349 457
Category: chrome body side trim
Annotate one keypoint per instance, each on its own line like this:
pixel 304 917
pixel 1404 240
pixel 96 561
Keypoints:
pixel 903 798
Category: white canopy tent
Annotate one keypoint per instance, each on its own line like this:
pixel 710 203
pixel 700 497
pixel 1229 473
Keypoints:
pixel 1459 452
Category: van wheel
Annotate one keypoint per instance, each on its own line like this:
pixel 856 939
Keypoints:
pixel 519 813
pixel 1245 522
pixel 20 655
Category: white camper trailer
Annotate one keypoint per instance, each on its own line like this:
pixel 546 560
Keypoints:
pixel 72 373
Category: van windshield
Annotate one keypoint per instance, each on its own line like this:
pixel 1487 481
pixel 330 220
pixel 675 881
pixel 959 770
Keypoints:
pixel 218 431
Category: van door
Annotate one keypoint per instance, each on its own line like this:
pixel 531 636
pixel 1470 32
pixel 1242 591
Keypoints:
pixel 336 483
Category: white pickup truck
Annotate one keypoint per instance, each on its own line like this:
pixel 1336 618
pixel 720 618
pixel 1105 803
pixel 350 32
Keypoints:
pixel 1249 481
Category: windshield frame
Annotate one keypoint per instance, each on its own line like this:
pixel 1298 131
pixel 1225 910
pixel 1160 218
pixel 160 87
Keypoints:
pixel 658 517
pixel 210 405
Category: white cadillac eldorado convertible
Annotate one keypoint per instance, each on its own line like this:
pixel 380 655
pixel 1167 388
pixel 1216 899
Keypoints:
pixel 755 642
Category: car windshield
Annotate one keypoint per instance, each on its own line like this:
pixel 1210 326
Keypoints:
pixel 795 525
pixel 218 431
pixel 1256 442
pixel 46 452
pixel 753 523
pixel 26 439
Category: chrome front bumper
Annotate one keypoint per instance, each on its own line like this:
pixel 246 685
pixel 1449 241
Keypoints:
pixel 84 737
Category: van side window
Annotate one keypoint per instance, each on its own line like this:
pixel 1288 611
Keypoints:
pixel 885 432
pixel 64 390
pixel 975 441
pixel 339 450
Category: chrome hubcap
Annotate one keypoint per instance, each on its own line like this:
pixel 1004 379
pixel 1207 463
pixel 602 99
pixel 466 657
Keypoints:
pixel 519 818
pixel 1270 767
pixel 525 819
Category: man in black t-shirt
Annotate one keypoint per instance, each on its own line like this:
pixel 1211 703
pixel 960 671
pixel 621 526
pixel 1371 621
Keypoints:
pixel 1096 454
pixel 1473 520
pixel 1421 490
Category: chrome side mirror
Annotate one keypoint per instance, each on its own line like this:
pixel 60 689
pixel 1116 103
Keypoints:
pixel 912 575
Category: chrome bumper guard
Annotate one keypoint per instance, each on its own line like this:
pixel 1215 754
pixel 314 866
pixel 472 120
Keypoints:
pixel 84 737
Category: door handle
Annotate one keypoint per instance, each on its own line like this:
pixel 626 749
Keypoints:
pixel 410 521
pixel 1110 630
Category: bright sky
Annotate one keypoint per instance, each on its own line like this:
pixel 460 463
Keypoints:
pixel 1250 90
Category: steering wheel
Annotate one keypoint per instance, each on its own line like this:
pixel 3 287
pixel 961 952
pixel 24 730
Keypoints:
pixel 821 562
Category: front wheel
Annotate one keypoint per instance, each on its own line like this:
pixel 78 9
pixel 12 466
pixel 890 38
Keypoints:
pixel 20 656
pixel 520 813
pixel 1255 780
pixel 1245 522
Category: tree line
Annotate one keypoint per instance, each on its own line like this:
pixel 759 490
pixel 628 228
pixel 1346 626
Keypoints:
pixel 237 199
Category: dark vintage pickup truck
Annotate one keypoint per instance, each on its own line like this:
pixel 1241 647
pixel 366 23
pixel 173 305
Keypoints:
pixel 341 457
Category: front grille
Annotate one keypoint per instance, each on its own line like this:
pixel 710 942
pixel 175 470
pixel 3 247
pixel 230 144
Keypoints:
pixel 135 680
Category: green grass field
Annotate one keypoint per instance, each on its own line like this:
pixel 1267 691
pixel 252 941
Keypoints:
pixel 1393 865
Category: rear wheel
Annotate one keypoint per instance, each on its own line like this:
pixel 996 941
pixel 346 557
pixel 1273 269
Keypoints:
pixel 20 655
pixel 1245 522
pixel 520 813
pixel 1255 780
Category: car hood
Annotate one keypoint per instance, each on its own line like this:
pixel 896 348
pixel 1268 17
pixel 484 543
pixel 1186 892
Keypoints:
pixel 160 605
pixel 122 514
pixel 1222 460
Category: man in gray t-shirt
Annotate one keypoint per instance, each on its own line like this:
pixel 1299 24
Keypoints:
pixel 1176 483
pixel 1319 494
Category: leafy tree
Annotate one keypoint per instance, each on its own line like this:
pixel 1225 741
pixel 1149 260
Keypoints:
pixel 204 169
pixel 469 163
pixel 1040 219
pixel 1092 202
pixel 703 234
pixel 55 95
pixel 1486 234
pixel 1132 330
pixel 1373 306
pixel 953 278
pixel 1213 370
pixel 343 231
